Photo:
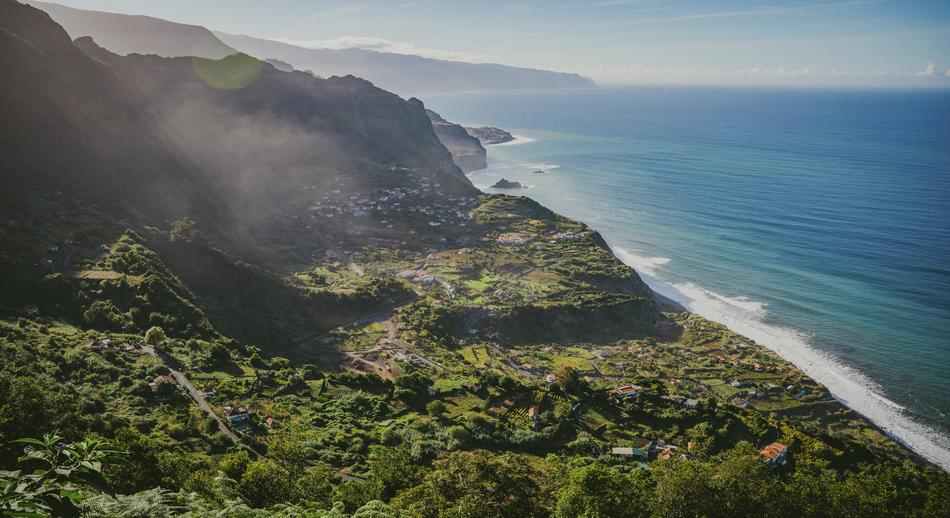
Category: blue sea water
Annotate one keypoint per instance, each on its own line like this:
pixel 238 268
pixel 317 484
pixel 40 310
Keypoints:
pixel 815 222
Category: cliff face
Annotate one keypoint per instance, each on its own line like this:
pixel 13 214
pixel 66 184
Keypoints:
pixel 236 144
pixel 467 151
pixel 126 34
pixel 72 126
pixel 95 143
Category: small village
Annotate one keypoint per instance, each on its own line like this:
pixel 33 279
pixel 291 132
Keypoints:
pixel 641 397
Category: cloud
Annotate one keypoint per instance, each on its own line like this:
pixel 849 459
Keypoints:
pixel 381 45
pixel 759 11
pixel 947 73
pixel 930 71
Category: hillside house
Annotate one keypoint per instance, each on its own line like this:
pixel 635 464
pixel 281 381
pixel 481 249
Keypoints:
pixel 642 454
pixel 163 384
pixel 237 417
pixel 775 454
pixel 627 392
pixel 534 413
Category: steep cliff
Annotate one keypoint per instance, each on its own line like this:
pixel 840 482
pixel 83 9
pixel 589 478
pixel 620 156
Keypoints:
pixel 467 151
pixel 95 143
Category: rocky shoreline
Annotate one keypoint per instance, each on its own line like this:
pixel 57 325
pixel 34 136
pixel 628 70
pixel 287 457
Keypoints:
pixel 490 136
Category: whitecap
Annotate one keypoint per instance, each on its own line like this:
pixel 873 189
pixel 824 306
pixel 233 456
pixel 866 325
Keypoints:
pixel 540 166
pixel 643 264
pixel 519 140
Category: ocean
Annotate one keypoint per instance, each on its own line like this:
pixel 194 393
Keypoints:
pixel 816 222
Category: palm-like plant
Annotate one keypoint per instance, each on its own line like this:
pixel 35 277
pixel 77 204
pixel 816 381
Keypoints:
pixel 58 474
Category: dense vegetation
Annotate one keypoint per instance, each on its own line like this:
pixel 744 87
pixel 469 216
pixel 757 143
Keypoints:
pixel 412 414
pixel 370 338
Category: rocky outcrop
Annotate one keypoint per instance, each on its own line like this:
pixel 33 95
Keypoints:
pixel 490 136
pixel 504 183
pixel 467 152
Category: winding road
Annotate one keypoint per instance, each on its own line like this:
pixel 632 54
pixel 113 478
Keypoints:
pixel 196 395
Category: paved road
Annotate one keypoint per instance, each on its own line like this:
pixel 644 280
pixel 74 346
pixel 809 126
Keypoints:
pixel 196 395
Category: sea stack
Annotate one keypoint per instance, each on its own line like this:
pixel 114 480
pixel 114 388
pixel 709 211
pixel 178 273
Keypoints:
pixel 504 183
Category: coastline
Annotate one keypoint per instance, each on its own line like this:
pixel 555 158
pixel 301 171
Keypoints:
pixel 848 386
pixel 519 140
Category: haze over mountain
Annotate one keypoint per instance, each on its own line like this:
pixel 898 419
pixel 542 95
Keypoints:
pixel 406 75
pixel 234 290
pixel 124 34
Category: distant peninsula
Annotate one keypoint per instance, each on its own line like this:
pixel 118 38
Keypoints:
pixel 406 75
pixel 490 136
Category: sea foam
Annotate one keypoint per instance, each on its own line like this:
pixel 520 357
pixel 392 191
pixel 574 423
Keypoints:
pixel 849 386
pixel 519 140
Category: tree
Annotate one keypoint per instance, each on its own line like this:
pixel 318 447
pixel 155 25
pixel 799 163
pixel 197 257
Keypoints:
pixel 155 336
pixel 413 387
pixel 139 467
pixel 436 408
pixel 682 489
pixel 354 494
pixel 392 470
pixel 219 354
pixel 30 406
pixel 597 491
pixel 315 485
pixel 743 483
pixel 570 381
pixel 375 509
pixel 234 464
pixel 266 483
pixel 474 484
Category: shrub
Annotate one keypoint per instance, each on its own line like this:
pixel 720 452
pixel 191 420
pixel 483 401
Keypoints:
pixel 266 483
pixel 155 336
pixel 103 314
pixel 436 408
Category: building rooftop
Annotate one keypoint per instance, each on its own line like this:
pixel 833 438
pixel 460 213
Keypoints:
pixel 774 452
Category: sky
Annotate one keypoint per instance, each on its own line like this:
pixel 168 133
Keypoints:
pixel 711 42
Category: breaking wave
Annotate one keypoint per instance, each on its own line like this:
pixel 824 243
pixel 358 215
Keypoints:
pixel 519 140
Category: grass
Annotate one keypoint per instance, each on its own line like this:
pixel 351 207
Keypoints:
pixel 477 356
pixel 574 357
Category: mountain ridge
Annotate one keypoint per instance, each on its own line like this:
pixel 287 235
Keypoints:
pixel 276 295
pixel 137 34
pixel 382 68
pixel 407 75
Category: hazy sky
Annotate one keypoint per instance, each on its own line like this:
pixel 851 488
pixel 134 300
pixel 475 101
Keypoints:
pixel 807 42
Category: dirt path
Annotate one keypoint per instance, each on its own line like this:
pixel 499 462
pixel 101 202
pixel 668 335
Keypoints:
pixel 390 342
